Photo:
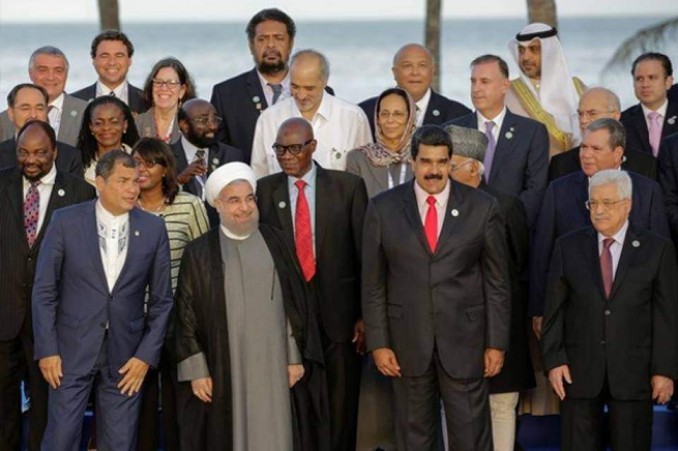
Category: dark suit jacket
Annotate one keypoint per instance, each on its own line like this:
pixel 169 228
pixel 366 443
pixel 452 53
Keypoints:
pixel 68 159
pixel 340 202
pixel 17 260
pixel 135 97
pixel 635 124
pixel 72 302
pixel 634 161
pixel 456 299
pixel 520 165
pixel 673 93
pixel 625 339
pixel 668 179
pixel 564 211
pixel 439 111
pixel 517 373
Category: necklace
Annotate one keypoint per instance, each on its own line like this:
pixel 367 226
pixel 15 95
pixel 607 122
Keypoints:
pixel 157 209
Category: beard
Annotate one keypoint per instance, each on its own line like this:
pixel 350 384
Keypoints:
pixel 241 229
pixel 272 68
pixel 200 141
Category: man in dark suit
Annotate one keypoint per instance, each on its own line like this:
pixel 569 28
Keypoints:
pixel 436 298
pixel 22 233
pixel 610 322
pixel 516 375
pixel 27 102
pixel 668 179
pixel 563 209
pixel 101 302
pixel 413 69
pixel 321 212
pixel 198 122
pixel 239 100
pixel 655 117
pixel 111 53
pixel 597 103
pixel 516 160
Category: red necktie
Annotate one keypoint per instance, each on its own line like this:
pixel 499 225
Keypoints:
pixel 431 223
pixel 32 212
pixel 606 266
pixel 303 238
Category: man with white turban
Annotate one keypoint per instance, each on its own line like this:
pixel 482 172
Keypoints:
pixel 545 90
pixel 246 334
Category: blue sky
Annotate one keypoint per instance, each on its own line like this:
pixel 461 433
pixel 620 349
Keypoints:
pixel 210 10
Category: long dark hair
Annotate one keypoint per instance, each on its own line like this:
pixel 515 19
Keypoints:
pixel 181 71
pixel 157 151
pixel 88 144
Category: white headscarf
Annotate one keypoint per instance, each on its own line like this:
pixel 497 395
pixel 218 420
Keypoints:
pixel 226 174
pixel 557 94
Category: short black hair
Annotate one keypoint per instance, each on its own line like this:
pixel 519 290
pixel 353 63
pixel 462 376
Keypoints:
pixel 111 35
pixel 40 124
pixel 11 97
pixel 483 59
pixel 431 135
pixel 654 56
pixel 106 163
pixel 273 14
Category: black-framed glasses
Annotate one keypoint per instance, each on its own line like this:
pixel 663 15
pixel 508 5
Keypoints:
pixel 216 120
pixel 606 204
pixel 294 149
pixel 171 84
pixel 146 163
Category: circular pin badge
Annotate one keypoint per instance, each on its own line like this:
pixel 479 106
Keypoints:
pixel 74 113
pixel 435 113
pixel 509 135
pixel 635 243
pixel 215 161
pixel 282 204
pixel 455 212
pixel 136 233
pixel 61 193
pixel 256 99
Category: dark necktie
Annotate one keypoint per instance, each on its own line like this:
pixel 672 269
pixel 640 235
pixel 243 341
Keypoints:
pixel 112 94
pixel 277 90
pixel 303 238
pixel 606 266
pixel 32 212
pixel 200 156
pixel 431 223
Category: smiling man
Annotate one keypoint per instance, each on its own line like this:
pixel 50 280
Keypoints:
pixel 111 53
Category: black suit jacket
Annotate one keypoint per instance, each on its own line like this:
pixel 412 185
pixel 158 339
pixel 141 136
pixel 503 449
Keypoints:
pixel 520 165
pixel 517 373
pixel 455 300
pixel 624 340
pixel 340 203
pixel 135 97
pixel 668 179
pixel 673 93
pixel 568 162
pixel 68 159
pixel 439 111
pixel 635 124
pixel 17 260
pixel 564 211
pixel 219 154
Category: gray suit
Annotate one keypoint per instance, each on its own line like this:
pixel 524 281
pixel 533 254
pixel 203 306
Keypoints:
pixel 145 123
pixel 71 120
pixel 375 177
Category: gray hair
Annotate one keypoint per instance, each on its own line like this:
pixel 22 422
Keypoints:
pixel 611 99
pixel 619 178
pixel 323 63
pixel 47 50
pixel 468 142
pixel 106 163
pixel 613 127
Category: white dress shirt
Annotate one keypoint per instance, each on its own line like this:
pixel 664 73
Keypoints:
pixel 55 109
pixel 309 191
pixel 121 91
pixel 268 91
pixel 441 203
pixel 498 121
pixel 44 191
pixel 422 106
pixel 338 126
pixel 113 234
pixel 616 247
pixel 662 114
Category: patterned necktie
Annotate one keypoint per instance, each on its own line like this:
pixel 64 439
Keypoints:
pixel 655 130
pixel 303 239
pixel 32 212
pixel 277 90
pixel 606 266
pixel 491 146
pixel 200 156
pixel 431 223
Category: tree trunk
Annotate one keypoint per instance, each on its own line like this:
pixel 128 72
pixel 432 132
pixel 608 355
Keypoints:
pixel 543 11
pixel 432 37
pixel 109 14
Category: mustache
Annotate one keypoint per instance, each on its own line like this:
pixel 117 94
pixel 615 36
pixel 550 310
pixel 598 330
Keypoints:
pixel 433 177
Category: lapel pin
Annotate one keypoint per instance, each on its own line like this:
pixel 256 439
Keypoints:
pixel 671 120
pixel 635 243
pixel 74 113
pixel 509 133
pixel 61 193
pixel 455 212
pixel 215 161
pixel 136 233
pixel 435 113
pixel 256 99
pixel 282 204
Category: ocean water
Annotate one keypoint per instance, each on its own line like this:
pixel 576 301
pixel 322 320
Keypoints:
pixel 360 53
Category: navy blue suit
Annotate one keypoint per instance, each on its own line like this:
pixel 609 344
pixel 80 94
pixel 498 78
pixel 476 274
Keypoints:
pixel 635 124
pixel 520 165
pixel 668 179
pixel 135 97
pixel 563 211
pixel 95 330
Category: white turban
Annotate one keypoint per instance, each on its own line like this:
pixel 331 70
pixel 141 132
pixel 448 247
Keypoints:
pixel 226 174
pixel 557 94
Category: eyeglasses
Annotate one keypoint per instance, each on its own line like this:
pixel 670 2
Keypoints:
pixel 146 163
pixel 294 149
pixel 456 167
pixel 216 120
pixel 606 204
pixel 171 84
pixel 397 116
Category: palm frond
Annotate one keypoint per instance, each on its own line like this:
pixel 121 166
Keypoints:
pixel 647 39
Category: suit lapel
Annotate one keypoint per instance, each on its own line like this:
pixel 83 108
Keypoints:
pixel 593 257
pixel 283 208
pixel 254 90
pixel 432 114
pixel 180 156
pixel 670 120
pixel 455 203
pixel 504 145
pixel 135 239
pixel 640 126
pixel 324 204
pixel 56 200
pixel 627 257
pixel 90 235
pixel 411 212
pixel 379 173
pixel 216 157
pixel 15 191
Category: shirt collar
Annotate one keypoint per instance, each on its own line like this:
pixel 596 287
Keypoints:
pixel 120 90
pixel 324 110
pixel 309 177
pixel 58 103
pixel 106 217
pixel 661 110
pixel 232 235
pixel 422 104
pixel 189 147
pixel 285 82
pixel 618 237
pixel 47 179
pixel 441 198
pixel 498 120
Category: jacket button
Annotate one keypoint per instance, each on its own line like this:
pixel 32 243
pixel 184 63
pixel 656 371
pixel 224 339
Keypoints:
pixel 608 313
pixel 602 342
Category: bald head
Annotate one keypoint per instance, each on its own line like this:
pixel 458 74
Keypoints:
pixel 597 103
pixel 296 125
pixel 413 69
pixel 198 122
